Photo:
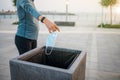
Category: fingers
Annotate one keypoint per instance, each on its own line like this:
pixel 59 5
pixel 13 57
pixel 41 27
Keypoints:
pixel 53 29
pixel 49 30
pixel 57 29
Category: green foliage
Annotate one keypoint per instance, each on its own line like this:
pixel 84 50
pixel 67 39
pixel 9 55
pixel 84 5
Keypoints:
pixel 109 25
pixel 104 3
pixel 14 2
pixel 15 23
pixel 101 25
pixel 107 3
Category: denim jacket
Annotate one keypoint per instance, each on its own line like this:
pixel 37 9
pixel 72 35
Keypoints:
pixel 28 23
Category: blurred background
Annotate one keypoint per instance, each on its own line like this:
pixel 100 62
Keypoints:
pixel 83 12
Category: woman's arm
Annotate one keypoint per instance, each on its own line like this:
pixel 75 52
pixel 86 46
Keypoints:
pixel 27 6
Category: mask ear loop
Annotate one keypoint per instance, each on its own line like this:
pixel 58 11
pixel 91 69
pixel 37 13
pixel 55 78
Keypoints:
pixel 48 53
pixel 54 37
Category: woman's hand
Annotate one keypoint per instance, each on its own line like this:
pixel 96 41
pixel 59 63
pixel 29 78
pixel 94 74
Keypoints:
pixel 50 25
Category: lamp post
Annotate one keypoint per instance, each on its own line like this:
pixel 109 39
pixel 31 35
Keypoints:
pixel 102 18
pixel 66 22
pixel 66 3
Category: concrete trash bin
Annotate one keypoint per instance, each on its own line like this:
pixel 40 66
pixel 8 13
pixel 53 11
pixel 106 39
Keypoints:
pixel 61 64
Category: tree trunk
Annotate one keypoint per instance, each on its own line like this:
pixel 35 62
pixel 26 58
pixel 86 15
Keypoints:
pixel 102 18
pixel 110 15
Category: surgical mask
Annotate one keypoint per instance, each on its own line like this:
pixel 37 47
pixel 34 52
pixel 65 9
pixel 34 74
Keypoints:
pixel 50 42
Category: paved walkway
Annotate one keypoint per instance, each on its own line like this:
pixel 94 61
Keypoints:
pixel 102 47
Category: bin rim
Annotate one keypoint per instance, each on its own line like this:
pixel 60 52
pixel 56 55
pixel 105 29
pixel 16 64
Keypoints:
pixel 71 69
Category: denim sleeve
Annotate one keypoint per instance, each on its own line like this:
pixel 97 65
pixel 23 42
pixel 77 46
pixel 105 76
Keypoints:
pixel 27 6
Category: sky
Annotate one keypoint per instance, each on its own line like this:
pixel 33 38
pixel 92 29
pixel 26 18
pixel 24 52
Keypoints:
pixel 58 5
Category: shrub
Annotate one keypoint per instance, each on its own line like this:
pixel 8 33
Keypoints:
pixel 109 26
pixel 15 23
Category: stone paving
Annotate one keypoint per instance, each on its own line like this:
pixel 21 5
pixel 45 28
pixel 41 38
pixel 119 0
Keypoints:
pixel 102 47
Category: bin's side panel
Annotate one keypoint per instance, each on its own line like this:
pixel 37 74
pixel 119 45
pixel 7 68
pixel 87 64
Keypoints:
pixel 79 73
pixel 21 70
pixel 14 70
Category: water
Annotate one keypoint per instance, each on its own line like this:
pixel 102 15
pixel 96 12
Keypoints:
pixel 81 19
pixel 8 17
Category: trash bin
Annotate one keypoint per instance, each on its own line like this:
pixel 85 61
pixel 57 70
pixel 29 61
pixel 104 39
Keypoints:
pixel 61 64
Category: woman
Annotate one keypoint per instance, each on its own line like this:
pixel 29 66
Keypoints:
pixel 27 32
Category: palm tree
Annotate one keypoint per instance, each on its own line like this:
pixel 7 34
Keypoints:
pixel 109 3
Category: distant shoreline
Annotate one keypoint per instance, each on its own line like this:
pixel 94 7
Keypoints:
pixel 44 13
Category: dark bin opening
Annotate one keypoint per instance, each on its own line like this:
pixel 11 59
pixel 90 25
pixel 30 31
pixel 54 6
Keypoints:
pixel 60 57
